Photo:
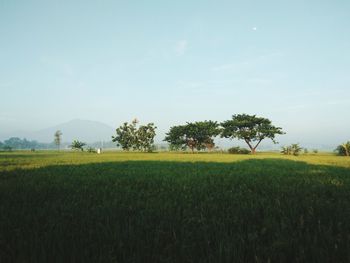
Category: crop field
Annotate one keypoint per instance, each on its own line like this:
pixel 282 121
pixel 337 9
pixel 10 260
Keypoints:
pixel 173 207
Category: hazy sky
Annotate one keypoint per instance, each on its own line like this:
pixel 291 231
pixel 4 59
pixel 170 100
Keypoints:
pixel 176 61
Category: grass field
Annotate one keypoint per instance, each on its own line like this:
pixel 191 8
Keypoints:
pixel 172 207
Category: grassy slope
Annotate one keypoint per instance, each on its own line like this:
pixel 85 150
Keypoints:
pixel 133 207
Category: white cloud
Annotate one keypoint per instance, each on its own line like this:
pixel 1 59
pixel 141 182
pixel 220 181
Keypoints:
pixel 181 47
pixel 254 28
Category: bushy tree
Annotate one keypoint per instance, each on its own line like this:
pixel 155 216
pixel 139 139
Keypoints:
pixel 129 136
pixel 126 135
pixel 145 137
pixel 57 139
pixel 196 135
pixel 343 149
pixel 251 129
pixel 77 145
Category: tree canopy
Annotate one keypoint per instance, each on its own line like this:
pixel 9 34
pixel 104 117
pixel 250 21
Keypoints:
pixel 129 136
pixel 251 129
pixel 196 135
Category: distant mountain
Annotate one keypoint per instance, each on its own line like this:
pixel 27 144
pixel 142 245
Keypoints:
pixel 83 130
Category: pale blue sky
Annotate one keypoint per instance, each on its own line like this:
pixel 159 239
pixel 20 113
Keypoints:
pixel 176 61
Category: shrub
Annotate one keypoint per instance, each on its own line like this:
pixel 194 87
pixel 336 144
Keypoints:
pixel 91 150
pixel 343 149
pixel 293 149
pixel 238 150
pixel 77 145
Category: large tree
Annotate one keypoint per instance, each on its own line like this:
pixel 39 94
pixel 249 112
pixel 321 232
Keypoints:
pixel 251 129
pixel 196 135
pixel 58 139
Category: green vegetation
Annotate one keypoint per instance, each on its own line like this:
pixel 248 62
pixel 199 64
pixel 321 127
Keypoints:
pixel 238 150
pixel 19 144
pixel 343 149
pixel 129 136
pixel 77 145
pixel 197 135
pixel 293 149
pixel 251 129
pixel 173 207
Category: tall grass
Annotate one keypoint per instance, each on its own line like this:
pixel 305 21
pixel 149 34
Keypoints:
pixel 115 207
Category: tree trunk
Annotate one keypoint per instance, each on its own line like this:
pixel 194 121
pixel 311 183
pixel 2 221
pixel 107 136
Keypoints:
pixel 346 149
pixel 252 150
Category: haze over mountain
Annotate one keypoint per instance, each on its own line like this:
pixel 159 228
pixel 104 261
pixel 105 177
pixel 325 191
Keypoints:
pixel 84 130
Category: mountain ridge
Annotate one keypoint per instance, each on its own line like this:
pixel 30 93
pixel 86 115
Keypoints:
pixel 75 129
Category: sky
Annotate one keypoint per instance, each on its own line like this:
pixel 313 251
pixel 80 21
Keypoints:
pixel 169 62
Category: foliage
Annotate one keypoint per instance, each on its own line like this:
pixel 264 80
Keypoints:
pixel 197 135
pixel 20 144
pixel 315 151
pixel 293 149
pixel 58 138
pixel 129 136
pixel 238 150
pixel 90 149
pixel 306 151
pixel 77 145
pixel 126 135
pixel 251 129
pixel 7 148
pixel 144 140
pixel 343 149
pixel 173 208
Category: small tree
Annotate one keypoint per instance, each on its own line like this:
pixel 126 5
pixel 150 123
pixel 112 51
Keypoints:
pixel 251 129
pixel 57 139
pixel 77 145
pixel 343 149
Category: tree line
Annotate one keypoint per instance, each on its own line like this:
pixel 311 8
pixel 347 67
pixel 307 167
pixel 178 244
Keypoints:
pixel 199 135
pixel 195 136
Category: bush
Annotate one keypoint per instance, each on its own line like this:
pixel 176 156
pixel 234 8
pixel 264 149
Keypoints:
pixel 91 150
pixel 238 150
pixel 293 149
pixel 343 149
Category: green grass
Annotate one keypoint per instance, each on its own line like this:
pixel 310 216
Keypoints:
pixel 168 207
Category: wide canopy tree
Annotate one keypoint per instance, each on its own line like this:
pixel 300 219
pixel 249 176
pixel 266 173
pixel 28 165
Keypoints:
pixel 251 129
pixel 196 135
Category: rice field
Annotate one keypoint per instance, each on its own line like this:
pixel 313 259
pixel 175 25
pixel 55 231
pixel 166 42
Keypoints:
pixel 173 207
